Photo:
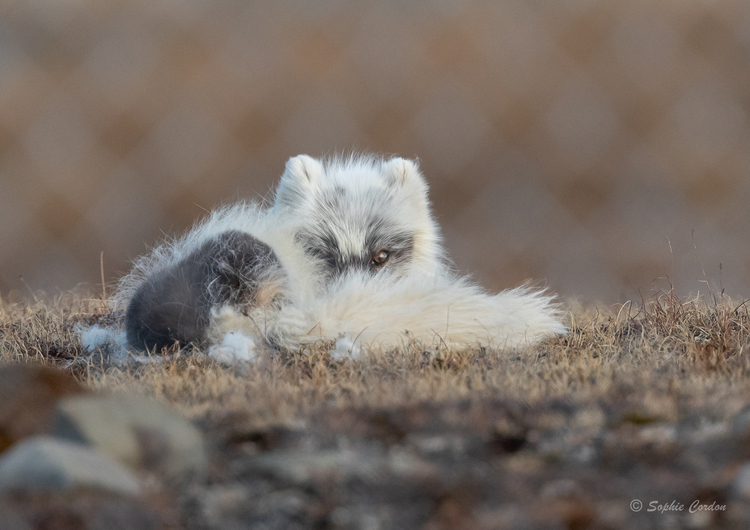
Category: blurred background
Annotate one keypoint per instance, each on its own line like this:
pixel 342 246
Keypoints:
pixel 597 147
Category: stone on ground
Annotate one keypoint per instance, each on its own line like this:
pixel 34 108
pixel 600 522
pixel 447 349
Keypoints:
pixel 139 432
pixel 44 464
pixel 28 393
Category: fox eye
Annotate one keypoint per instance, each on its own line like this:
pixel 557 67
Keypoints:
pixel 380 257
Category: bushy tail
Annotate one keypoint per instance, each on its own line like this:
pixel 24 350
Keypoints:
pixel 431 311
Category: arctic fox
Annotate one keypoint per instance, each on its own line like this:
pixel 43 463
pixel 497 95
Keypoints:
pixel 348 249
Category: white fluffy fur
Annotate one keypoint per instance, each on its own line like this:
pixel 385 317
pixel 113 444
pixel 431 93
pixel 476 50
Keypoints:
pixel 436 312
pixel 421 301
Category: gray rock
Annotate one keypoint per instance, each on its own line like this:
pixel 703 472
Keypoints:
pixel 741 422
pixel 139 432
pixel 13 521
pixel 741 485
pixel 44 464
pixel 234 506
pixel 303 467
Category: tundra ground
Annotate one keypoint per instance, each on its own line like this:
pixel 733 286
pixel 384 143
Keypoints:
pixel 647 402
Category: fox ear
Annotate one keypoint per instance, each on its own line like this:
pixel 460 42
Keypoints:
pixel 400 171
pixel 405 174
pixel 301 177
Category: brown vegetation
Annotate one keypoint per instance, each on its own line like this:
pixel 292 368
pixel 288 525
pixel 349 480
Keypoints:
pixel 645 403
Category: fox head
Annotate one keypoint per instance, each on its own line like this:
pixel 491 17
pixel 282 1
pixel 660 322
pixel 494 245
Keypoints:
pixel 360 214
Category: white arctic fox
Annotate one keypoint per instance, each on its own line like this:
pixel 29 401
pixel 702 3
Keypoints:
pixel 348 250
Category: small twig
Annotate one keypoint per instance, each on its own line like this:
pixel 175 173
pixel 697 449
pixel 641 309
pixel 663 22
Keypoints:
pixel 703 270
pixel 101 268
pixel 20 277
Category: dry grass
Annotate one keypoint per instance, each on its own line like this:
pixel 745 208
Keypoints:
pixel 666 355
pixel 633 403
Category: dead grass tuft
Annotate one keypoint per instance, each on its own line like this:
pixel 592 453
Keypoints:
pixel 665 348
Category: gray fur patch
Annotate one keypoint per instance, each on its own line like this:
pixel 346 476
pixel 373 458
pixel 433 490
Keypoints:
pixel 174 305
pixel 322 245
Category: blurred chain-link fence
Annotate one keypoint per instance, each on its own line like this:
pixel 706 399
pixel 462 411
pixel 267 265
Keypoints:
pixel 596 146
